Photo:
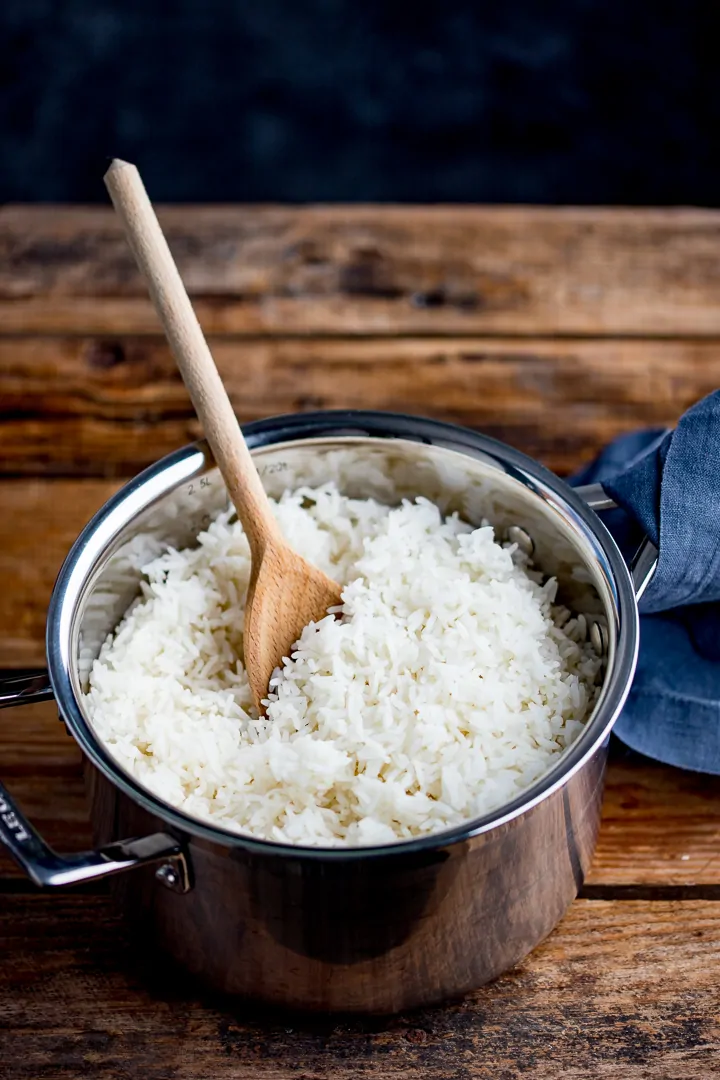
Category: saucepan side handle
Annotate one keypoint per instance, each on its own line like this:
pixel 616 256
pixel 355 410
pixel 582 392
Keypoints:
pixel 43 865
pixel 22 689
pixel 644 562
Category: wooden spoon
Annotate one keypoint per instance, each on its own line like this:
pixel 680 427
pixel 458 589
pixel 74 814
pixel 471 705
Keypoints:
pixel 286 592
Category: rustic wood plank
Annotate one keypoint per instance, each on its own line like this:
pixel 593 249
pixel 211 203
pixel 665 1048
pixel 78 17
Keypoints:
pixel 39 520
pixel 619 989
pixel 34 742
pixel 661 826
pixel 110 406
pixel 373 270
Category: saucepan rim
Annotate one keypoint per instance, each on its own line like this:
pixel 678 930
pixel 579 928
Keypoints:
pixel 366 424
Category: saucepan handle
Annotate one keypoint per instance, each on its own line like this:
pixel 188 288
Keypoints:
pixel 22 689
pixel 43 865
pixel 645 559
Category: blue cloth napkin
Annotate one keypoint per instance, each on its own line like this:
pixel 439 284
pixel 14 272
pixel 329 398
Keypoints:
pixel 667 484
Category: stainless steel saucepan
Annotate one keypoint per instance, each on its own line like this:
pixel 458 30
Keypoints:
pixel 369 929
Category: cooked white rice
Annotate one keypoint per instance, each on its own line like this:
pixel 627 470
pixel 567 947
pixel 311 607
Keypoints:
pixel 447 687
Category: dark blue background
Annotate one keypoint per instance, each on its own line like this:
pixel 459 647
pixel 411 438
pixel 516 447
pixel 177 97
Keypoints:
pixel 299 100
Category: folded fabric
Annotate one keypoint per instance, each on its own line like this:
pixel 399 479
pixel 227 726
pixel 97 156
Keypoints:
pixel 667 486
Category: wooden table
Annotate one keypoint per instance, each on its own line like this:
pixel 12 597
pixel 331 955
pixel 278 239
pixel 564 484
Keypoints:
pixel 551 329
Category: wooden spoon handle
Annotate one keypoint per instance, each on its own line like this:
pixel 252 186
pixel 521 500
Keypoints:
pixel 191 352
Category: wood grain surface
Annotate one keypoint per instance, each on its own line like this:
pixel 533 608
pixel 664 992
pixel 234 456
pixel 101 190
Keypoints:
pixel 39 520
pixel 373 270
pixel 112 405
pixel 621 989
pixel 551 329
